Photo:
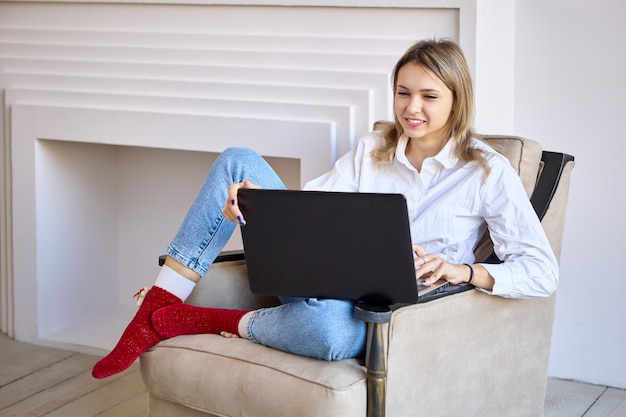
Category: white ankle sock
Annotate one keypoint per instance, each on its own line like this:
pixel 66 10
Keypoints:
pixel 243 324
pixel 172 281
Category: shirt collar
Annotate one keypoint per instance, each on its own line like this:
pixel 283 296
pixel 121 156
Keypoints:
pixel 445 157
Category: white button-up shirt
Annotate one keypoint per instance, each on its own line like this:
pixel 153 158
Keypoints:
pixel 450 206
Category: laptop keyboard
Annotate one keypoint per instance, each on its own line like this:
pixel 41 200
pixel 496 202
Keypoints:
pixel 434 288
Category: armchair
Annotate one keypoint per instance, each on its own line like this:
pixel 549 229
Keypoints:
pixel 466 354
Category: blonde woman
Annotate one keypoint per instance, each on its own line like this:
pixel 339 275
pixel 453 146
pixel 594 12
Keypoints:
pixel 456 188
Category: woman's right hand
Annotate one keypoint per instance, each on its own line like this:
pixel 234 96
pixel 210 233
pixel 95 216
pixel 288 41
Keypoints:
pixel 231 207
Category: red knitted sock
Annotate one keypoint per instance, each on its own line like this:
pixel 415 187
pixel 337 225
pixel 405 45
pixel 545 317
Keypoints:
pixel 179 319
pixel 138 337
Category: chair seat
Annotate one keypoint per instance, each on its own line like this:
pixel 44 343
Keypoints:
pixel 286 384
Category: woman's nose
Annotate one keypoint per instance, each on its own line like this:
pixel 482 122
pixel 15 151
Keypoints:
pixel 415 106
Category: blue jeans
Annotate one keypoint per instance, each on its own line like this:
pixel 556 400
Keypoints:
pixel 322 329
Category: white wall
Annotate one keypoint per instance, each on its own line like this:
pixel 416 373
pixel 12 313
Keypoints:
pixel 570 86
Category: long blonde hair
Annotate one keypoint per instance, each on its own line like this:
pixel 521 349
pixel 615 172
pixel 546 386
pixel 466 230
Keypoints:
pixel 446 60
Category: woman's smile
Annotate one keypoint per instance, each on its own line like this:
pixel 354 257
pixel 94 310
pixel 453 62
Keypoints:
pixel 423 104
pixel 414 122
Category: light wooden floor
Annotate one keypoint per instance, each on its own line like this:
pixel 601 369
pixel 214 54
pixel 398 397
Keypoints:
pixel 39 381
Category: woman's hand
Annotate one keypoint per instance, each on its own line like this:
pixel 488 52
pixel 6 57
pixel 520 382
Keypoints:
pixel 430 268
pixel 231 207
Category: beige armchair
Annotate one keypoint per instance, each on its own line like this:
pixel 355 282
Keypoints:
pixel 466 354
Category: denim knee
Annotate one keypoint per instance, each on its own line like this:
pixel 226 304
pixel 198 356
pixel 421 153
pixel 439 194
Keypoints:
pixel 236 152
pixel 337 333
pixel 239 164
pixel 237 155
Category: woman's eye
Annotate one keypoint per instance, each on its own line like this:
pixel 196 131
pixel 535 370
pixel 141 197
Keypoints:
pixel 403 93
pixel 431 97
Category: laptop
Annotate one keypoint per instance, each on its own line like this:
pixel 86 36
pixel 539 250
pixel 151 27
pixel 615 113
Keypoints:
pixel 315 244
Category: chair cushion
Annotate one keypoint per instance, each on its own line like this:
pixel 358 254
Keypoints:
pixel 191 370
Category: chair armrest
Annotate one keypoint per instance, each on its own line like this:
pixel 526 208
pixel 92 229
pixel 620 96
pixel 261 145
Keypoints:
pixel 482 355
pixel 225 285
pixel 224 256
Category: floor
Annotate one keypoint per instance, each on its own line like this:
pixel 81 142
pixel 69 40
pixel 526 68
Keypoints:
pixel 39 381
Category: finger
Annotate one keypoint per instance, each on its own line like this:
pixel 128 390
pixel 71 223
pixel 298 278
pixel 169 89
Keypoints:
pixel 426 279
pixel 420 261
pixel 430 278
pixel 248 184
pixel 235 212
pixel 418 256
pixel 422 271
pixel 431 271
pixel 231 209
pixel 418 250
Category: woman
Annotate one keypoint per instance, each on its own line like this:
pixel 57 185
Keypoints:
pixel 456 188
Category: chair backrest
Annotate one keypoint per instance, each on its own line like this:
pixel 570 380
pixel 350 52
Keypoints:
pixel 523 154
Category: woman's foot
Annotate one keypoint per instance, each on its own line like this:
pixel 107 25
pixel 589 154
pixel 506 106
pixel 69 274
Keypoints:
pixel 179 319
pixel 138 337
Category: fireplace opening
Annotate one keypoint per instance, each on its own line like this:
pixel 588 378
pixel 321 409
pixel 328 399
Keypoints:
pixel 104 214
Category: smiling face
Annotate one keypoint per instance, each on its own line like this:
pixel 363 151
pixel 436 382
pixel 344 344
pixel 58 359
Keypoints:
pixel 423 104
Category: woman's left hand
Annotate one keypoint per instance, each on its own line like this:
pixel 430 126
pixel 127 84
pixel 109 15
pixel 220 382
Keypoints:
pixel 429 268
